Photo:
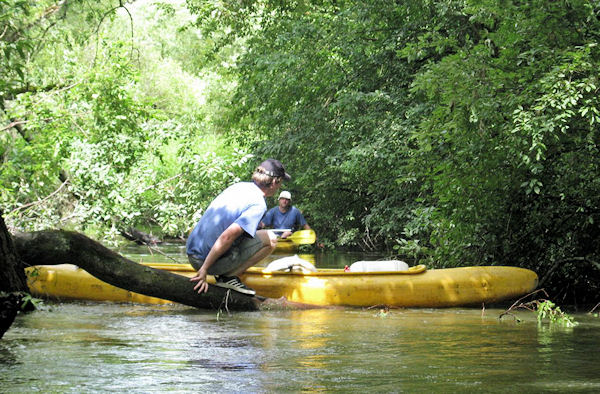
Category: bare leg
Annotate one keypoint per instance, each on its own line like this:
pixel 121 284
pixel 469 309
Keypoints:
pixel 269 240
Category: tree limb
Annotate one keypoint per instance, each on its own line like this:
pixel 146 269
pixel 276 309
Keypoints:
pixel 54 247
pixel 64 247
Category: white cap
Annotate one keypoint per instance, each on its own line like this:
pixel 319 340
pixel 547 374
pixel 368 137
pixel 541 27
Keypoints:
pixel 285 194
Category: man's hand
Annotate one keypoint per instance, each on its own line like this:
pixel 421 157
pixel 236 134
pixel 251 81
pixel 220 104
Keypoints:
pixel 286 234
pixel 222 245
pixel 202 285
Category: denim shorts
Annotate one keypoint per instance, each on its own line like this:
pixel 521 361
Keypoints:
pixel 242 249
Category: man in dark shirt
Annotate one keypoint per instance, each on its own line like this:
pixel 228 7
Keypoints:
pixel 285 216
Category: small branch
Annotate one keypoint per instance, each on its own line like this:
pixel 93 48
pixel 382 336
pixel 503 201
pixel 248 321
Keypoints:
pixel 68 87
pixel 4 32
pixel 53 9
pixel 225 303
pixel 13 124
pixel 527 295
pixel 49 196
pixel 102 20
pixel 98 30
pixel 131 23
pixel 52 88
pixel 160 183
pixel 519 304
pixel 152 249
pixel 18 123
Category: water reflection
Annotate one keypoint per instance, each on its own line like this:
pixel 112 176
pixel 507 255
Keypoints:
pixel 118 347
pixel 94 347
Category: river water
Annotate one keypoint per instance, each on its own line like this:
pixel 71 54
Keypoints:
pixel 104 347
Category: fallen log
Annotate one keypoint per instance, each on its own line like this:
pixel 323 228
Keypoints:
pixel 12 280
pixel 53 247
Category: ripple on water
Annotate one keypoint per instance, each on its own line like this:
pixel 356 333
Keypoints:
pixel 119 347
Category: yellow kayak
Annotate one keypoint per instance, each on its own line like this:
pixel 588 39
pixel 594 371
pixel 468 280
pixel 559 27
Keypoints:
pixel 415 287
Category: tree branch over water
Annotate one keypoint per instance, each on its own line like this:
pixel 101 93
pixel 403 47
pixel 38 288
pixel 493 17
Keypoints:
pixel 55 247
pixel 65 247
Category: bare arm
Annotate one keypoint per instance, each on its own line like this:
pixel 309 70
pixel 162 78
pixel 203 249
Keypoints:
pixel 221 246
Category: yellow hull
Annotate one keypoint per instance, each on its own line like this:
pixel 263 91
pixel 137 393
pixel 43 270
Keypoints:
pixel 417 287
pixel 68 282
pixel 284 246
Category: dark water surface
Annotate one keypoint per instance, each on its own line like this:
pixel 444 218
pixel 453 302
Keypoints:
pixel 104 347
pixel 91 347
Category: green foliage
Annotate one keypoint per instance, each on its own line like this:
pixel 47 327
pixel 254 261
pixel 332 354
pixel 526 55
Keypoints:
pixel 327 107
pixel 512 122
pixel 548 310
pixel 15 42
pixel 545 310
pixel 108 138
pixel 29 302
pixel 451 133
pixel 454 133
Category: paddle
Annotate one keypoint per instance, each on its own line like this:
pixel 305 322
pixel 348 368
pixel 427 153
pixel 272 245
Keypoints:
pixel 302 237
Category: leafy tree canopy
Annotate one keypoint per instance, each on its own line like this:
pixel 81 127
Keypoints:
pixel 453 132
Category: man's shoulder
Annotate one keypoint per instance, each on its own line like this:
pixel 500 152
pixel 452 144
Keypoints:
pixel 244 185
pixel 247 190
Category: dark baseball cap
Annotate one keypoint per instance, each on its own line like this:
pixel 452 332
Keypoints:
pixel 274 168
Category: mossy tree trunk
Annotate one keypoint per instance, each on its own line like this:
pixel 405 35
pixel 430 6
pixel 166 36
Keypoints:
pixel 52 247
pixel 12 280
